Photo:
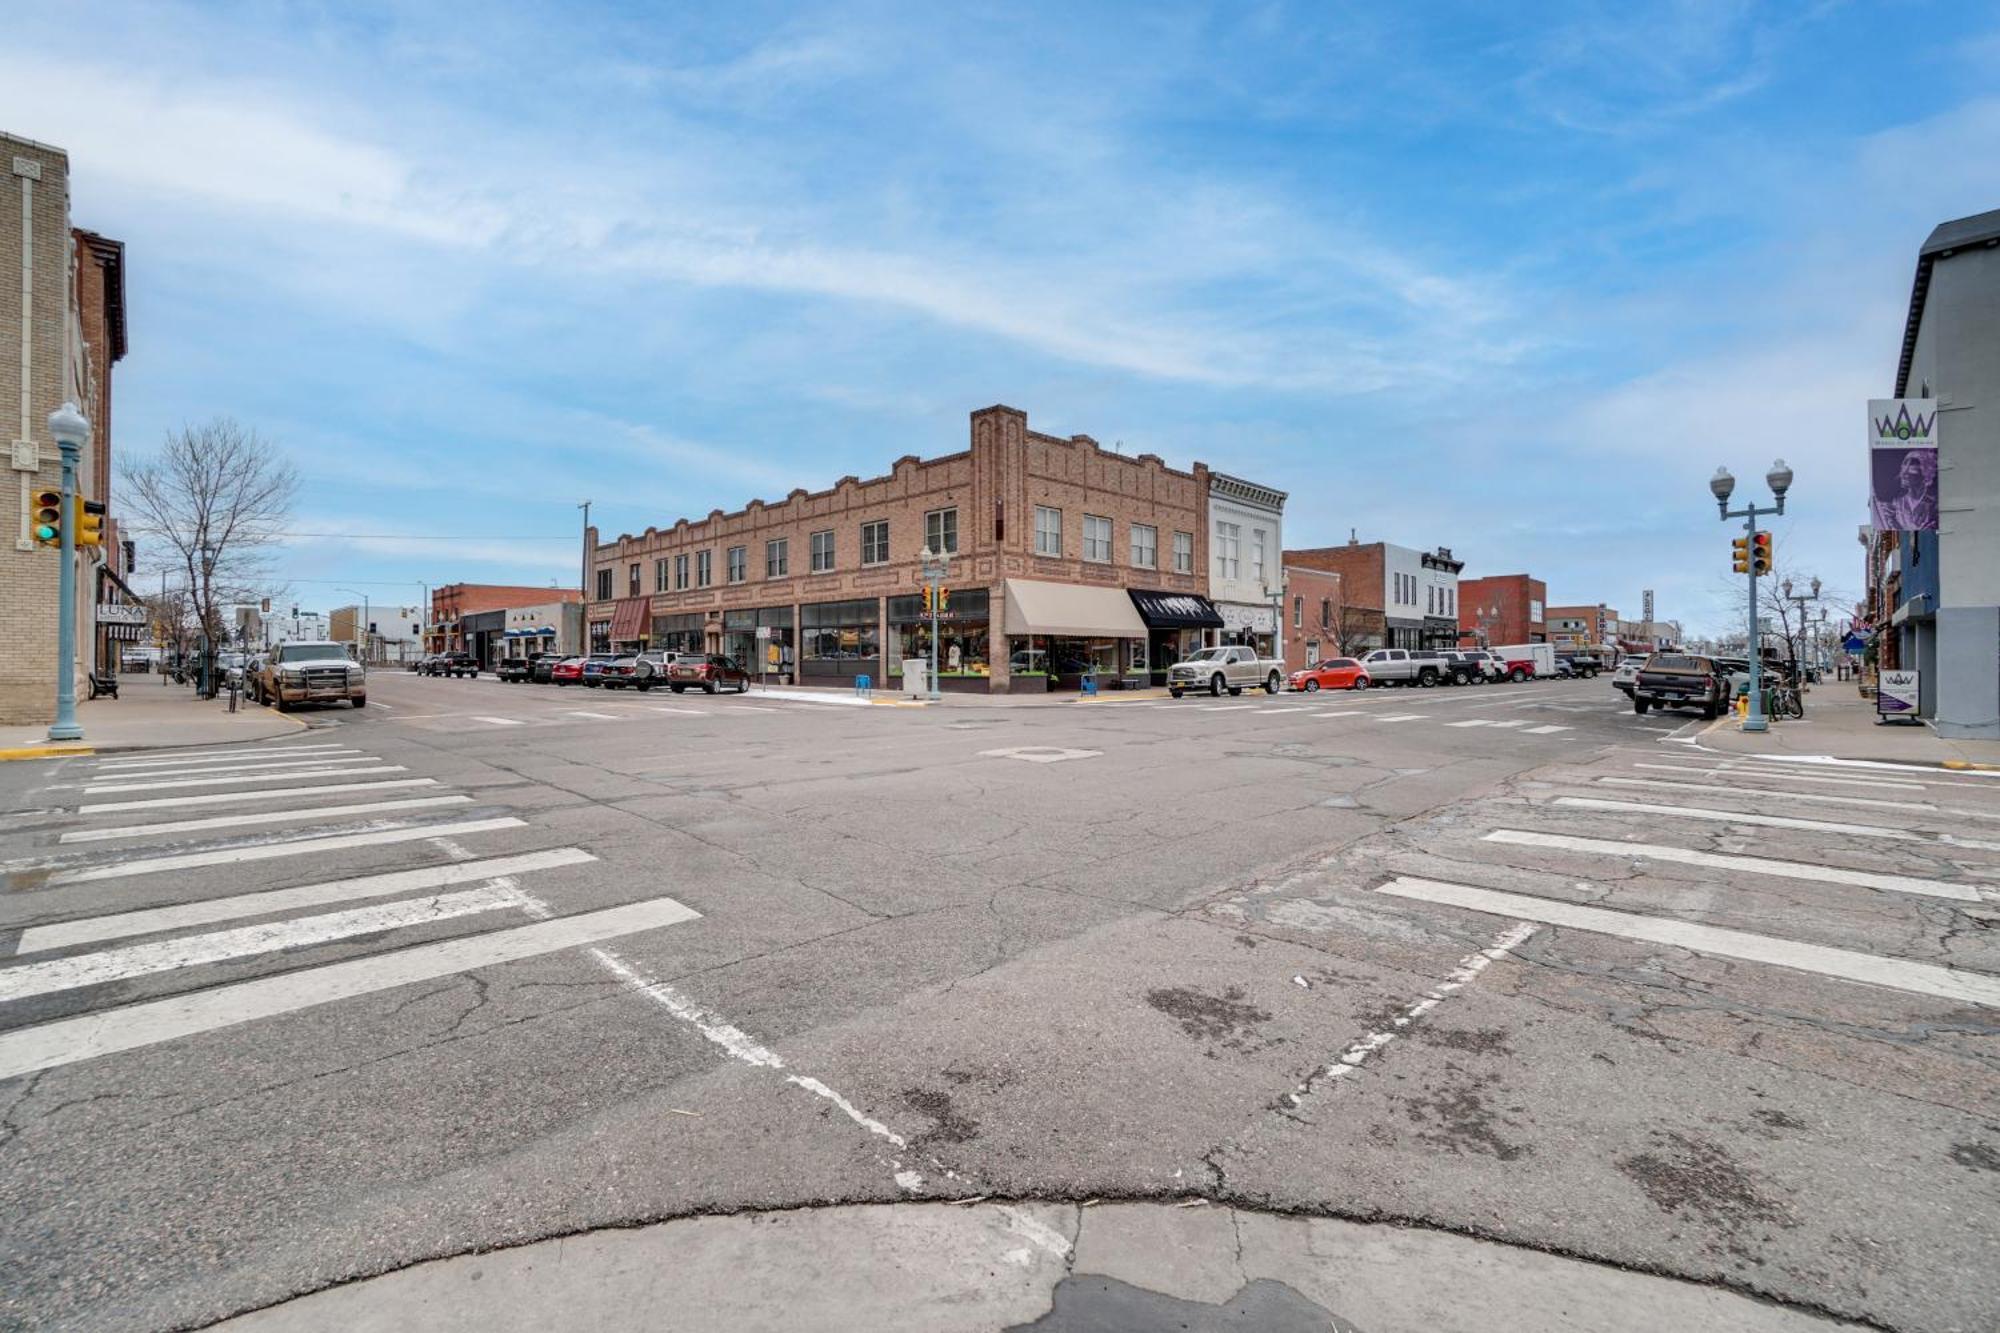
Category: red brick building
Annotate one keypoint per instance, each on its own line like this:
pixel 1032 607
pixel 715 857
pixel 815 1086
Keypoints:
pixel 1313 613
pixel 1503 608
pixel 453 603
pixel 1053 545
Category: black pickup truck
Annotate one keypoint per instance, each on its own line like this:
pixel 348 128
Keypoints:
pixel 1681 680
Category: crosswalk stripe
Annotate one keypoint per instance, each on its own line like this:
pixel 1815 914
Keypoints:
pixel 1816 797
pixel 267 794
pixel 267 851
pixel 293 776
pixel 1474 722
pixel 1222 708
pixel 1756 865
pixel 595 717
pixel 330 760
pixel 153 760
pixel 139 960
pixel 1543 731
pixel 1733 817
pixel 498 721
pixel 1274 710
pixel 1401 717
pixel 1513 722
pixel 1344 712
pixel 108 1031
pixel 1780 777
pixel 1844 964
pixel 146 921
pixel 261 817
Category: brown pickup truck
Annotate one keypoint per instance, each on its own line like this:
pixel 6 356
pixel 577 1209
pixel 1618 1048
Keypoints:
pixel 1681 680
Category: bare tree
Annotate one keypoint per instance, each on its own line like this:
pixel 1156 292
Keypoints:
pixel 1786 618
pixel 218 497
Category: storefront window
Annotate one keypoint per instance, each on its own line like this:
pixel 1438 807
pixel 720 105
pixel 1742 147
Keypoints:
pixel 962 634
pixel 1037 655
pixel 678 634
pixel 840 638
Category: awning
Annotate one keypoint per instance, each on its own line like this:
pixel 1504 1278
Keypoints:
pixel 1175 610
pixel 1072 610
pixel 628 619
pixel 538 633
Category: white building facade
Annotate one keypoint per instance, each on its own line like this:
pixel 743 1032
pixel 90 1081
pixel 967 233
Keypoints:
pixel 1420 597
pixel 1246 543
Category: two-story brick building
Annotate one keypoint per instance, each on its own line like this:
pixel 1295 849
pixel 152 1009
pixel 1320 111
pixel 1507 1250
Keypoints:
pixel 1065 558
pixel 1503 609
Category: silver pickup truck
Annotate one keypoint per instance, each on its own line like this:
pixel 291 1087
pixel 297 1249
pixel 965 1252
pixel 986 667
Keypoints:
pixel 1228 668
pixel 1406 666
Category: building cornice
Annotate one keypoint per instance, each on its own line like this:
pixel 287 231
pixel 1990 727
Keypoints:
pixel 1249 492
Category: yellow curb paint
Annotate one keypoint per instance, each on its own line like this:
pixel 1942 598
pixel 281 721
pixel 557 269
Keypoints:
pixel 46 751
pixel 1966 765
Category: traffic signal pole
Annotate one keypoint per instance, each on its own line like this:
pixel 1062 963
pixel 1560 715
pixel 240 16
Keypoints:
pixel 70 430
pixel 1755 720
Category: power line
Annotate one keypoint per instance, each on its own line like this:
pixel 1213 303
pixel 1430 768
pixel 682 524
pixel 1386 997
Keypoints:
pixel 423 537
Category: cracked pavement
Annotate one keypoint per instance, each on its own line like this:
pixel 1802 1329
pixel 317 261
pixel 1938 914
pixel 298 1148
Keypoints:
pixel 1094 980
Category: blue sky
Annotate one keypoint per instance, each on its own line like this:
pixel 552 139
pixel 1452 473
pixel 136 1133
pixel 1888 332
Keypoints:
pixel 1448 277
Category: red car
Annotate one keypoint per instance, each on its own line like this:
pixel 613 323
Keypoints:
pixel 569 671
pixel 1336 673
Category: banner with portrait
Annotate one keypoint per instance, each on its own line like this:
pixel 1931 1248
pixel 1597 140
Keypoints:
pixel 1903 464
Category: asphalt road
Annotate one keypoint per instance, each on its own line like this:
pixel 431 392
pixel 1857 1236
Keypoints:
pixel 1509 961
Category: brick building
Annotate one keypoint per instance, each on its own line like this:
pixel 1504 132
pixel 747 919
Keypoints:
pixel 1065 558
pixel 1313 605
pixel 1577 628
pixel 1503 608
pixel 462 612
pixel 62 326
pixel 1395 596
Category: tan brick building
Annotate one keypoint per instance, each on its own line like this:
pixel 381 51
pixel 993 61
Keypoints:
pixel 62 325
pixel 1047 538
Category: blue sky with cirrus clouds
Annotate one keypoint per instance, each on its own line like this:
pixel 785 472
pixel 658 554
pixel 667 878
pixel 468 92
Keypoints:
pixel 1448 275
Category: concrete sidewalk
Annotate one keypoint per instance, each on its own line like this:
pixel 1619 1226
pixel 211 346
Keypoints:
pixel 147 715
pixel 944 1268
pixel 1840 724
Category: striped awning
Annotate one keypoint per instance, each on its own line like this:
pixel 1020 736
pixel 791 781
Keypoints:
pixel 628 619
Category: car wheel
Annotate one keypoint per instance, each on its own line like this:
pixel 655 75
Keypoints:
pixel 1641 705
pixel 642 685
pixel 1708 712
pixel 1312 685
pixel 743 686
pixel 1272 683
pixel 1236 691
pixel 677 688
pixel 1215 686
pixel 1360 683
pixel 1518 674
pixel 1427 677
pixel 1175 693
pixel 708 687
pixel 283 707
pixel 359 701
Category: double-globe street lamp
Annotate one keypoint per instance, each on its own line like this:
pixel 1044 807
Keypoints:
pixel 1802 601
pixel 1721 486
pixel 71 431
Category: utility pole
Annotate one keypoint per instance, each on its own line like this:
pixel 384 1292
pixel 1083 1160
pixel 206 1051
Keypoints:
pixel 585 585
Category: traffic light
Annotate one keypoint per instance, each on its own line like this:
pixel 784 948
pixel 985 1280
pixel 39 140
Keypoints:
pixel 936 599
pixel 89 522
pixel 1760 559
pixel 48 519
pixel 1742 555
pixel 943 599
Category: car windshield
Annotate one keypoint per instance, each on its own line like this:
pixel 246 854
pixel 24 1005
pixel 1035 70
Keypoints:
pixel 310 652
pixel 1209 655
pixel 1673 662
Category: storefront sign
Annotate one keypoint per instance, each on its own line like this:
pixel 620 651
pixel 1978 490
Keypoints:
pixel 1903 463
pixel 109 614
pixel 1896 694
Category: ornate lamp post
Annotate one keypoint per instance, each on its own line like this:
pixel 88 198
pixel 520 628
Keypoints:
pixel 1721 486
pixel 71 431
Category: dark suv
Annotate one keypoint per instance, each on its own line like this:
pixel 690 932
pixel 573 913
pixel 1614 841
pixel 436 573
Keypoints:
pixel 708 672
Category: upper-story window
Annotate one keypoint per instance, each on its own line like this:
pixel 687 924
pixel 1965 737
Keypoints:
pixel 822 551
pixel 1257 556
pixel 1183 553
pixel 1298 612
pixel 739 563
pixel 1228 551
pixel 680 572
pixel 632 580
pixel 660 574
pixel 603 585
pixel 1048 530
pixel 777 559
pixel 941 531
pixel 1145 546
pixel 1430 600
pixel 1097 539
pixel 875 542
pixel 704 568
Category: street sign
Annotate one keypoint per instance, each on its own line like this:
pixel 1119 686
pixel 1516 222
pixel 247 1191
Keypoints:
pixel 937 570
pixel 1896 694
pixel 108 614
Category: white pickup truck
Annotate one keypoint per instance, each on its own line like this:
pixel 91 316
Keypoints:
pixel 1226 668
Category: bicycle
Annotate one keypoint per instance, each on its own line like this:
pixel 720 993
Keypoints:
pixel 1787 702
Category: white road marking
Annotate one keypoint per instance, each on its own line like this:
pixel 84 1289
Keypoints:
pixel 595 717
pixel 1780 777
pixel 272 850
pixel 1401 717
pixel 69 1040
pixel 1756 865
pixel 751 708
pixel 268 794
pixel 1821 798
pixel 1274 710
pixel 1474 722
pixel 329 760
pixel 1345 712
pixel 1543 731
pixel 261 817
pixel 1735 817
pixel 379 704
pixel 683 712
pixel 1459 977
pixel 293 776
pixel 498 721
pixel 139 960
pixel 222 756
pixel 63 934
pixel 1844 964
pixel 1512 722
pixel 1968 777
pixel 1222 708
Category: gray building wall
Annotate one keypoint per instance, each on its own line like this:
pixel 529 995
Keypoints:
pixel 1957 357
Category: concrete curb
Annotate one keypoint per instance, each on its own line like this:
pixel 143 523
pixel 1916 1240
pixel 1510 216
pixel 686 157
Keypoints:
pixel 60 751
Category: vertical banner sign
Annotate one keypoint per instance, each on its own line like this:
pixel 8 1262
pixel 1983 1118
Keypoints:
pixel 1647 614
pixel 1896 694
pixel 1903 463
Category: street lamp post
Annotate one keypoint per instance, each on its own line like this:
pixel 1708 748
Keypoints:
pixel 71 430
pixel 936 569
pixel 1721 485
pixel 1801 601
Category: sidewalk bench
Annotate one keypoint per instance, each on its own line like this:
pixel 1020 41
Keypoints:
pixel 103 682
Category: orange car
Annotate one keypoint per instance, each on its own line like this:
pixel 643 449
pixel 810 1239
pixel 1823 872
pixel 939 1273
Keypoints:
pixel 1336 673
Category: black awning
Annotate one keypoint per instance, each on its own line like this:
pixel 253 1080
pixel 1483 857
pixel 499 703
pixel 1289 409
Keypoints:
pixel 1175 610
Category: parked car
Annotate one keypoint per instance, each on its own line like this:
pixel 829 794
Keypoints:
pixel 1335 673
pixel 707 672
pixel 303 671
pixel 1405 666
pixel 1523 661
pixel 642 671
pixel 1471 667
pixel 542 667
pixel 1681 680
pixel 1230 667
pixel 1627 668
pixel 513 670
pixel 567 671
pixel 418 663
pixel 593 669
pixel 1578 668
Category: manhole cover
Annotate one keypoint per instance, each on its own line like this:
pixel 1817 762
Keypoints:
pixel 1039 754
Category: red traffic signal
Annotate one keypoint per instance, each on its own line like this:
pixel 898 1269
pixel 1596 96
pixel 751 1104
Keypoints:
pixel 1760 553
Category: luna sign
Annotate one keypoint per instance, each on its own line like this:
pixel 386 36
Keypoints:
pixel 1903 463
